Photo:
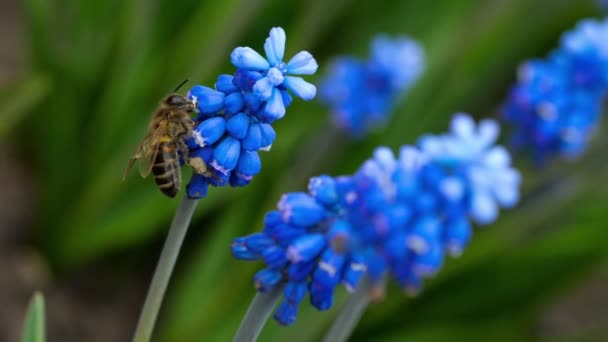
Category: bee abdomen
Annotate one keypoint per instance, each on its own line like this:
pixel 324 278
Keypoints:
pixel 166 169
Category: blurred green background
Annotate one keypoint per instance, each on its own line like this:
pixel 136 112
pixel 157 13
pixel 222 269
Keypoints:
pixel 80 79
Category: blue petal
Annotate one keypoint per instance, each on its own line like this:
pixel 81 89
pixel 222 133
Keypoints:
pixel 353 273
pixel 300 88
pixel 241 252
pixel 498 157
pixel 274 109
pixel 407 279
pixel 205 153
pixel 407 184
pixel 452 188
pixel 286 313
pixel 424 234
pixel 429 262
pixel 258 242
pixel 457 236
pixel 506 188
pixel 300 209
pixel 234 103
pixel 253 141
pixel 287 99
pixel 238 179
pixel 266 280
pixel 488 131
pixel 306 248
pixel 238 125
pixel 395 247
pixel 247 58
pixel 268 136
pixel 208 100
pixel 226 155
pixel 219 178
pixel 225 84
pixel 249 163
pixel 303 63
pixel 275 76
pixel 191 143
pixel 272 218
pixel 197 188
pixel 294 291
pixel 275 45
pixel 263 89
pixel 285 234
pixel 329 270
pixel 483 208
pixel 321 298
pixel 274 257
pixel 426 202
pixel 252 102
pixel 245 79
pixel 209 131
pixel 340 235
pixel 323 189
pixel 300 271
pixel 376 267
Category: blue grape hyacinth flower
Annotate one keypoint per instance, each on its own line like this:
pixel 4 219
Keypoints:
pixel 361 94
pixel 235 118
pixel 556 103
pixel 397 215
pixel 275 74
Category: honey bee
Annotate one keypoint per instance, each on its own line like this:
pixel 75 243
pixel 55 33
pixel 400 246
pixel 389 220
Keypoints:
pixel 160 151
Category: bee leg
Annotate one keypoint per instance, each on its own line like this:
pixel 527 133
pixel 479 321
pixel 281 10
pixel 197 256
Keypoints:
pixel 197 163
pixel 182 148
pixel 199 166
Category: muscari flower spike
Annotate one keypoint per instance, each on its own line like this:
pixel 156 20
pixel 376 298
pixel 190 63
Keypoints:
pixel 556 103
pixel 396 215
pixel 235 118
pixel 361 94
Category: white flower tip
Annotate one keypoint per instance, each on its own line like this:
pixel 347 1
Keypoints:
pixel 248 58
pixel 310 94
pixel 303 63
pixel 262 89
pixel 275 45
pixel 300 88
pixel 463 125
pixel 277 31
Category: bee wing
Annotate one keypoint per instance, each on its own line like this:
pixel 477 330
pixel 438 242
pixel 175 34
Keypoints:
pixel 146 152
pixel 150 149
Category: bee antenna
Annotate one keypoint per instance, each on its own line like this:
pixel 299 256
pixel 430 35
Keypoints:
pixel 180 85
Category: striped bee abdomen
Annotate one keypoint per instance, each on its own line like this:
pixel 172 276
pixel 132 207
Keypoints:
pixel 166 169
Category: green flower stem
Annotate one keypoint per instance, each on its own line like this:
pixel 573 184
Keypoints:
pixel 164 269
pixel 350 315
pixel 260 309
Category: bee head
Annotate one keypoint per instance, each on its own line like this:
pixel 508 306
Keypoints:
pixel 180 102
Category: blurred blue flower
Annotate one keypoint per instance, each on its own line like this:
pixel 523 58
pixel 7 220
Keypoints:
pixel 556 103
pixel 395 215
pixel 361 94
pixel 234 121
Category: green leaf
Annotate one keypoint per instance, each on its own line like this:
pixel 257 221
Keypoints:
pixel 19 99
pixel 33 326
